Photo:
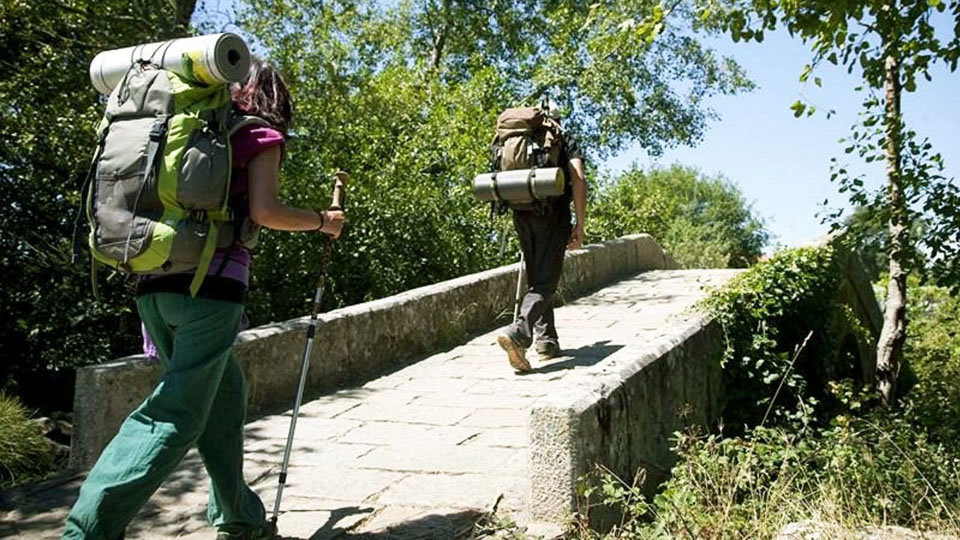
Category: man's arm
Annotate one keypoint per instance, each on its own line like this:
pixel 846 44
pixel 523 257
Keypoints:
pixel 579 184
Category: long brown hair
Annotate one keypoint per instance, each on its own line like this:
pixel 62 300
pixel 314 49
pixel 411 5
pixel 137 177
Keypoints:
pixel 264 93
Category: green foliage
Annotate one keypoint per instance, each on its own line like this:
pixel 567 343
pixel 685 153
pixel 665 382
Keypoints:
pixel 868 232
pixel 857 472
pixel 52 323
pixel 933 350
pixel 855 34
pixel 766 315
pixel 703 222
pixel 932 216
pixel 612 65
pixel 412 217
pixel 405 96
pixel 25 455
pixel 602 489
pixel 892 45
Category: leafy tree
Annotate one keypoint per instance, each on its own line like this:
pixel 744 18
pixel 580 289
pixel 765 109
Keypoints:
pixel 704 222
pixel 892 44
pixel 405 96
pixel 867 231
pixel 50 108
pixel 613 65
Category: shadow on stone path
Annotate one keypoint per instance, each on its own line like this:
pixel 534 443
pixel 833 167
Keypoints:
pixel 587 355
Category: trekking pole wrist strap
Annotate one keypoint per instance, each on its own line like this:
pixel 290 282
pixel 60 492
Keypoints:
pixel 320 214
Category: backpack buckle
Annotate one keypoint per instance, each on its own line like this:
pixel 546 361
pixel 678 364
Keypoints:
pixel 159 129
pixel 198 216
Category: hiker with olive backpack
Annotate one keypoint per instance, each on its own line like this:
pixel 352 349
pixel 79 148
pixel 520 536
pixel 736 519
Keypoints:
pixel 532 138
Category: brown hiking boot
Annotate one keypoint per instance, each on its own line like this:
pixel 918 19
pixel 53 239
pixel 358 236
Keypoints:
pixel 515 353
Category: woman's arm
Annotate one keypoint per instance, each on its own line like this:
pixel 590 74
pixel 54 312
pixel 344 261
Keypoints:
pixel 268 210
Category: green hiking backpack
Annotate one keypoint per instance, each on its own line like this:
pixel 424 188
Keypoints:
pixel 159 184
pixel 526 138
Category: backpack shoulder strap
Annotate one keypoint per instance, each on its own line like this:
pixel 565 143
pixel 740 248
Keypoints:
pixel 238 122
pixel 554 127
pixel 496 153
pixel 555 133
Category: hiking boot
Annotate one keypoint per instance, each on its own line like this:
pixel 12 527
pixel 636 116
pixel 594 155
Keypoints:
pixel 548 350
pixel 267 531
pixel 515 353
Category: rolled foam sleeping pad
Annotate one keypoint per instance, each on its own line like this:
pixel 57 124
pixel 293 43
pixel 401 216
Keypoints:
pixel 520 185
pixel 211 59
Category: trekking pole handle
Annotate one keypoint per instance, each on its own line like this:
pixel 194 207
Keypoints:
pixel 339 190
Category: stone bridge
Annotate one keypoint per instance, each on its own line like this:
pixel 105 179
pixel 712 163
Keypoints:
pixel 418 426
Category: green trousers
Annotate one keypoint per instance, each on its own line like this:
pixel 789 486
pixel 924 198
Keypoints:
pixel 200 400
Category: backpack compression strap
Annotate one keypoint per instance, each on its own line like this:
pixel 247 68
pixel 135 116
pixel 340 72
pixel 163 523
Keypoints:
pixel 215 218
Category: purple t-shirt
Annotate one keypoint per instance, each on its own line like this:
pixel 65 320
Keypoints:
pixel 247 142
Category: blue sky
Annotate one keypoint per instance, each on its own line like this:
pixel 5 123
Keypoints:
pixel 782 163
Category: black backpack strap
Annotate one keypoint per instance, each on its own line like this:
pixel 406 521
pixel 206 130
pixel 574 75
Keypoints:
pixel 238 122
pixel 496 153
pixel 223 263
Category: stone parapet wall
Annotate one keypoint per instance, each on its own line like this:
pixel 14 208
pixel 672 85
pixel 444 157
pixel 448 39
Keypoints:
pixel 353 344
pixel 623 417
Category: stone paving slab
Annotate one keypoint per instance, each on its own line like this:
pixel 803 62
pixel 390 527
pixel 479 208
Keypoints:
pixel 427 448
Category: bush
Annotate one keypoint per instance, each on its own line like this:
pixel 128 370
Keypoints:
pixel 766 315
pixel 25 454
pixel 858 472
pixel 932 353
pixel 704 222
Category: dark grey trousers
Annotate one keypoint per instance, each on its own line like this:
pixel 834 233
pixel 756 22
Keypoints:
pixel 543 239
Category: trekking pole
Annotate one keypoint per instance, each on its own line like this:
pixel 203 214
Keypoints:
pixel 516 302
pixel 339 181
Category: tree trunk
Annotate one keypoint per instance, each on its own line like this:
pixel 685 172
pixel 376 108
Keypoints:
pixel 183 15
pixel 440 37
pixel 894 332
pixel 438 45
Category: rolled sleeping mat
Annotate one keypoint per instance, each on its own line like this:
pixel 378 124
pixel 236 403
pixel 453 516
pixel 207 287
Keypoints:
pixel 212 59
pixel 520 185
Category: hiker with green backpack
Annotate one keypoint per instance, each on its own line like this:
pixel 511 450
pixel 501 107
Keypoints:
pixel 532 139
pixel 184 176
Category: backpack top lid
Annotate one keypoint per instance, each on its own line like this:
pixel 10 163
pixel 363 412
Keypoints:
pixel 519 121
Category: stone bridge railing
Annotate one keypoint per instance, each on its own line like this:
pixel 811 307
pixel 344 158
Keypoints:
pixel 624 413
pixel 355 343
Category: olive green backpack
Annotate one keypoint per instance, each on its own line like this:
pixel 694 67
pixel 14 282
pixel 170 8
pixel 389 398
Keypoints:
pixel 159 184
pixel 526 138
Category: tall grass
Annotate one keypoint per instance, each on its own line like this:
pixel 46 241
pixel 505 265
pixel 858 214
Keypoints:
pixel 25 454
